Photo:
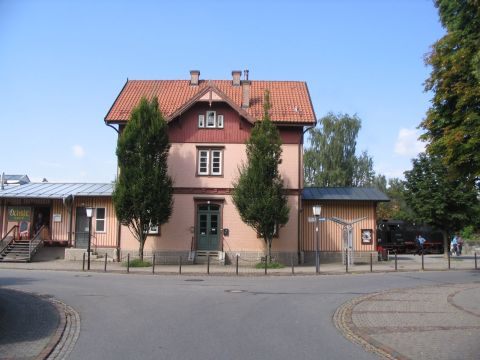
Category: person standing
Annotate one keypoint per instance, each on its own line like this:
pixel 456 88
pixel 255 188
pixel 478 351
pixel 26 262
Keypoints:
pixel 421 241
pixel 454 245
pixel 459 245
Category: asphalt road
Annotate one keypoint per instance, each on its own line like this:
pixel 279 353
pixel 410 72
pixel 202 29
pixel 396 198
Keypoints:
pixel 180 317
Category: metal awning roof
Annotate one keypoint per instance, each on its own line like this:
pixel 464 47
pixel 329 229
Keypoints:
pixel 56 190
pixel 344 193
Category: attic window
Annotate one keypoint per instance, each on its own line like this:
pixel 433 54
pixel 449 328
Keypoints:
pixel 220 121
pixel 201 121
pixel 211 119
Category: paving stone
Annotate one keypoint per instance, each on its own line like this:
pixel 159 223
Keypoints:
pixel 431 322
pixel 27 323
pixel 36 327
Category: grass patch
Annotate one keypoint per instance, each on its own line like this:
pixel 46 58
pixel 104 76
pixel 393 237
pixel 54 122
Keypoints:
pixel 138 263
pixel 271 265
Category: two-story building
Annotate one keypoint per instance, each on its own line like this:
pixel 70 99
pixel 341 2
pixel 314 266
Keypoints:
pixel 209 123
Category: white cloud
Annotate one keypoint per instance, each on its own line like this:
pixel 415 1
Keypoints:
pixel 407 143
pixel 391 170
pixel 78 151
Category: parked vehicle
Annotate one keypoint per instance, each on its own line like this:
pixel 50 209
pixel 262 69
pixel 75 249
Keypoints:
pixel 399 236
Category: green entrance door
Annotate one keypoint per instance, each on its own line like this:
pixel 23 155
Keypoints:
pixel 208 222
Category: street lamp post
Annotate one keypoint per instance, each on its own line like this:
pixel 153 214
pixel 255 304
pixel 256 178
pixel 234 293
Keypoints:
pixel 89 215
pixel 317 209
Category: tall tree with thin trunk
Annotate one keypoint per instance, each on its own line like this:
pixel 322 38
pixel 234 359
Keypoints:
pixel 330 159
pixel 143 195
pixel 258 192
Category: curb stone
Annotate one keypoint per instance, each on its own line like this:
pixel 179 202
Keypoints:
pixel 342 321
pixel 65 344
pixel 66 335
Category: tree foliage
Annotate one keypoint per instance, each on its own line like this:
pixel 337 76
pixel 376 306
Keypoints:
pixel 397 207
pixel 143 191
pixel 258 192
pixel 452 123
pixel 330 160
pixel 438 200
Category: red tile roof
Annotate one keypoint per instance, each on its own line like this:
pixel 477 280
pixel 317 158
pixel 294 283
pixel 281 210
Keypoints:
pixel 290 99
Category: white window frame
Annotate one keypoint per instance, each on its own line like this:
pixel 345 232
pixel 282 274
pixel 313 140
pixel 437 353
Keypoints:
pixel 154 229
pixel 214 114
pixel 104 219
pixel 212 151
pixel 220 121
pixel 207 167
pixel 208 154
pixel 201 121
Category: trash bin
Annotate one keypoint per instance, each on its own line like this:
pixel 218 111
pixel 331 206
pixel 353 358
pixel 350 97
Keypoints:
pixel 383 255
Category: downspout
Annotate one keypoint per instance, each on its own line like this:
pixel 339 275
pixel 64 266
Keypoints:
pixel 300 188
pixel 4 208
pixel 119 238
pixel 70 220
pixel 119 225
pixel 2 216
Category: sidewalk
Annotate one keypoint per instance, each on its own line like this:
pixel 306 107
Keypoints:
pixel 35 327
pixel 430 322
pixel 404 263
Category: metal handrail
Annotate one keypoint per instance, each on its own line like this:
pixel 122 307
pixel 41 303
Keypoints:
pixel 6 235
pixel 35 243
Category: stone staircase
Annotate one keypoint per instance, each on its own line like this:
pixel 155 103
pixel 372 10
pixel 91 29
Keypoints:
pixel 16 251
pixel 216 257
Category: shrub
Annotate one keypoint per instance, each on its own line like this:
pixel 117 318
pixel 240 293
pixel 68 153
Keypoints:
pixel 138 263
pixel 270 265
pixel 467 232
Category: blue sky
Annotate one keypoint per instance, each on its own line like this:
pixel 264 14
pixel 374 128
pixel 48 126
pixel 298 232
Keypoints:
pixel 62 64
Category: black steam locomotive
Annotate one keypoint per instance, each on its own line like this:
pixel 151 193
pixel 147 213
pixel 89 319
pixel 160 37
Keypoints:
pixel 399 236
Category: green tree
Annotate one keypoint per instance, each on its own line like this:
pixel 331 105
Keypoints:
pixel 438 200
pixel 143 190
pixel 452 123
pixel 330 160
pixel 363 173
pixel 397 207
pixel 258 192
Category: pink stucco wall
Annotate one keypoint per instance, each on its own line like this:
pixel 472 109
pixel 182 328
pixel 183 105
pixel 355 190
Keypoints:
pixel 182 164
pixel 178 234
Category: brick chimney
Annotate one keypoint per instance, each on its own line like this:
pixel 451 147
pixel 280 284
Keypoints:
pixel 245 90
pixel 194 77
pixel 236 74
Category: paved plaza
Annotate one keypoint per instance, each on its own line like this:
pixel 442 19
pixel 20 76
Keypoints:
pixel 402 315
pixel 426 322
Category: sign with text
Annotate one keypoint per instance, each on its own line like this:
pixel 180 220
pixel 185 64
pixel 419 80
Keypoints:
pixel 311 219
pixel 367 236
pixel 19 213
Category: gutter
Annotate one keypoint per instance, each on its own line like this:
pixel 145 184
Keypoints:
pixel 300 188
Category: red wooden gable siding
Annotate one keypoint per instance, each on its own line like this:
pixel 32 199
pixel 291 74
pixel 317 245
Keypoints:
pixel 236 130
